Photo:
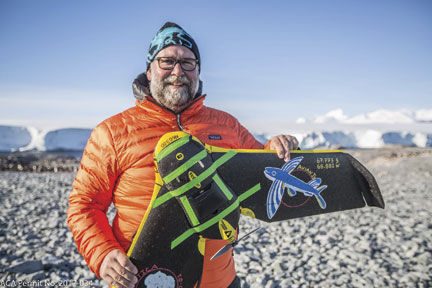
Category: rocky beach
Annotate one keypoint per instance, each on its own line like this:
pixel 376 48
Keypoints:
pixel 360 248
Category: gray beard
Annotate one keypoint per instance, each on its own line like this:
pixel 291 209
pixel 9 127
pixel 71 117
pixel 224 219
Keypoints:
pixel 174 99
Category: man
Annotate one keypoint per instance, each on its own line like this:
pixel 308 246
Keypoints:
pixel 117 164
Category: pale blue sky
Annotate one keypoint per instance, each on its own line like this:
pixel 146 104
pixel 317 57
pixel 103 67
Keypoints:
pixel 71 63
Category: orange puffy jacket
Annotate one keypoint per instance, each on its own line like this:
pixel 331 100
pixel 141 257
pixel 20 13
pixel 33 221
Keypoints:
pixel 117 166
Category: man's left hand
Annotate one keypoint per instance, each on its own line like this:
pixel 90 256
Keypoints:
pixel 283 144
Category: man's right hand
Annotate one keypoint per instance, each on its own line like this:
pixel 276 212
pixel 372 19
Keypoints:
pixel 116 269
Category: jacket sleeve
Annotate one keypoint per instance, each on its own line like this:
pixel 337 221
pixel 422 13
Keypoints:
pixel 246 139
pixel 90 198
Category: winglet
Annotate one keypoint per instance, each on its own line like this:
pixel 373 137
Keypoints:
pixel 292 164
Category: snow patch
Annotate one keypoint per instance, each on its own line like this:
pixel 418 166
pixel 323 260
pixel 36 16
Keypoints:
pixel 369 139
pixel 420 140
pixel 262 138
pixel 36 142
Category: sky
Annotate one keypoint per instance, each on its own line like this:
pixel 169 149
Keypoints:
pixel 71 63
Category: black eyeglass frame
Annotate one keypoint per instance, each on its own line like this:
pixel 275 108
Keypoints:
pixel 179 61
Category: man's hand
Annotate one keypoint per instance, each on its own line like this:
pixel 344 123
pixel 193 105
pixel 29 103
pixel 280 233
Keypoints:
pixel 283 144
pixel 116 269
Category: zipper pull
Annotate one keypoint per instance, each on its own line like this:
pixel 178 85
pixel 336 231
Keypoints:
pixel 179 122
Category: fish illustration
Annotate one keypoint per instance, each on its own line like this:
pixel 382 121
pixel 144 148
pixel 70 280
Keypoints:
pixel 282 179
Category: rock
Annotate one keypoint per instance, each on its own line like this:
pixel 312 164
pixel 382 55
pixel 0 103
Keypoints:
pixel 286 283
pixel 424 258
pixel 270 284
pixel 51 261
pixel 27 267
pixel 20 252
pixel 277 267
pixel 411 251
pixel 38 276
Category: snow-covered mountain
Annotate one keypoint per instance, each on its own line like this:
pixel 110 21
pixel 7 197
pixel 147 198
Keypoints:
pixel 334 129
pixel 382 116
pixel 359 139
pixel 14 138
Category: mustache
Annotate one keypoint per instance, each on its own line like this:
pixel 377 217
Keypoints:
pixel 176 80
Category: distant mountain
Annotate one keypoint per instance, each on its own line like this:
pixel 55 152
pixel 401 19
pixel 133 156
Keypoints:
pixel 359 139
pixel 375 117
pixel 334 129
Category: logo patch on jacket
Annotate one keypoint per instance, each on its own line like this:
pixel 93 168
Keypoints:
pixel 215 137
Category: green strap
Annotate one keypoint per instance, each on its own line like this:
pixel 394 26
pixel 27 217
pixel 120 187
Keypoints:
pixel 171 147
pixel 215 219
pixel 189 211
pixel 188 208
pixel 249 192
pixel 183 168
pixel 223 187
pixel 181 190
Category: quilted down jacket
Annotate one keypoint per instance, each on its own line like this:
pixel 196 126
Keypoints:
pixel 117 167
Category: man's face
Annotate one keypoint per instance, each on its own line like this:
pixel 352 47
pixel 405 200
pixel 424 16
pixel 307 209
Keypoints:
pixel 173 89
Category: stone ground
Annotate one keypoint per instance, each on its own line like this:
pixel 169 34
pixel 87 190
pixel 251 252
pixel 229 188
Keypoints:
pixel 359 248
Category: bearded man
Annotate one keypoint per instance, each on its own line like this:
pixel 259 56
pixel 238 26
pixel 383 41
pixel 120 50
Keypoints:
pixel 117 164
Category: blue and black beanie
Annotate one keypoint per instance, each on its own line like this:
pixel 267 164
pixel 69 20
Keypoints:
pixel 171 34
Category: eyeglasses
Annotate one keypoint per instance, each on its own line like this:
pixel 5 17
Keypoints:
pixel 168 63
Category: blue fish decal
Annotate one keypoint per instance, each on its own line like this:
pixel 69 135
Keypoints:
pixel 282 179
